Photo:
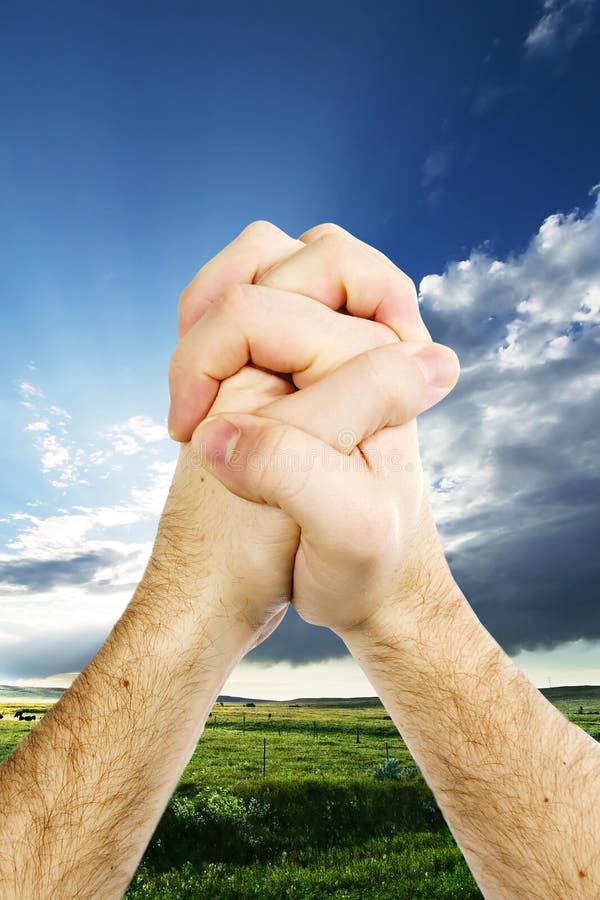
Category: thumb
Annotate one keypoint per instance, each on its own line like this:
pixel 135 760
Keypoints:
pixel 269 461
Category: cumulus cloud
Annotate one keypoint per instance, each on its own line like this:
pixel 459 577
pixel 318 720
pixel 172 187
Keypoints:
pixel 61 460
pixel 29 390
pixel 75 568
pixel 513 452
pixel 129 437
pixel 512 456
pixel 67 462
pixel 561 24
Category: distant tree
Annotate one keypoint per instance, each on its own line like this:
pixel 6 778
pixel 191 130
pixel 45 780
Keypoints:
pixel 250 704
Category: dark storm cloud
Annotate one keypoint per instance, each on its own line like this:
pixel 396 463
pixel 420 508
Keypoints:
pixel 37 575
pixel 536 584
pixel 515 448
pixel 39 655
pixel 297 642
pixel 513 453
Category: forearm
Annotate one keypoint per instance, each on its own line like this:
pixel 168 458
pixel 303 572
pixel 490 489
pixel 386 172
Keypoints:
pixel 81 796
pixel 518 784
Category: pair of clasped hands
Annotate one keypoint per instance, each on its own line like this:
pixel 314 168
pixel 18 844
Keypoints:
pixel 300 369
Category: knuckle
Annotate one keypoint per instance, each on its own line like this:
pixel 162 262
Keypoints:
pixel 271 441
pixel 174 365
pixel 375 370
pixel 321 230
pixel 185 298
pixel 333 242
pixel 261 229
pixel 268 457
pixel 232 298
pixel 407 283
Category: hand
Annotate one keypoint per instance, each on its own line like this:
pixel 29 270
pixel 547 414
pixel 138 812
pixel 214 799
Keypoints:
pixel 341 458
pixel 251 548
pixel 332 267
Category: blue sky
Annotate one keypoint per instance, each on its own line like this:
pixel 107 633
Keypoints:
pixel 138 139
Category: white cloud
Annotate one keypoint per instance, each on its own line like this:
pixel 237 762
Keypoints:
pixel 513 456
pixel 518 440
pixel 561 24
pixel 54 453
pixel 72 572
pixel 29 390
pixel 68 463
pixel 128 438
pixel 59 412
pixel 146 429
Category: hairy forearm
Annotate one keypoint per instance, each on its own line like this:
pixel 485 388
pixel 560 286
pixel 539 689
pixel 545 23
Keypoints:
pixel 81 796
pixel 518 784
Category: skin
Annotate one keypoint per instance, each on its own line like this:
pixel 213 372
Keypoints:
pixel 356 550
pixel 81 795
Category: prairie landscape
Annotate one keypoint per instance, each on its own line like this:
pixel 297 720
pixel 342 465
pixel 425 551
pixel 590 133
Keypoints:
pixel 302 799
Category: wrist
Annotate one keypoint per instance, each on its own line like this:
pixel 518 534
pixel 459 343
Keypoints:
pixel 185 605
pixel 419 590
pixel 421 606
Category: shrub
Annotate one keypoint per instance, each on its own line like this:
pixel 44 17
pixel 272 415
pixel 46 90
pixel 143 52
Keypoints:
pixel 595 735
pixel 264 818
pixel 391 768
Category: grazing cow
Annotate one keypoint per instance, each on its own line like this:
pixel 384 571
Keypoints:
pixel 1 716
pixel 27 718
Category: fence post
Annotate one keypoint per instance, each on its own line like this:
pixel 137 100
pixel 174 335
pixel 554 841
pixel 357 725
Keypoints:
pixel 387 751
pixel 357 736
pixel 314 729
pixel 264 756
pixel 243 722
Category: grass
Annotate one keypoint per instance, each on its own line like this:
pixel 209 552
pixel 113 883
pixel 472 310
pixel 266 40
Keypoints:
pixel 318 823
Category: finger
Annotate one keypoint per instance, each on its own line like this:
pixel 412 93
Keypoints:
pixel 280 463
pixel 339 270
pixel 273 463
pixel 319 231
pixel 252 253
pixel 387 386
pixel 277 330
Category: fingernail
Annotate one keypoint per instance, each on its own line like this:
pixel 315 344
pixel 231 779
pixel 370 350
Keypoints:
pixel 438 364
pixel 215 438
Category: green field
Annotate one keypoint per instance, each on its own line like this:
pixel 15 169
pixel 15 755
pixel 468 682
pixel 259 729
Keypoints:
pixel 306 819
